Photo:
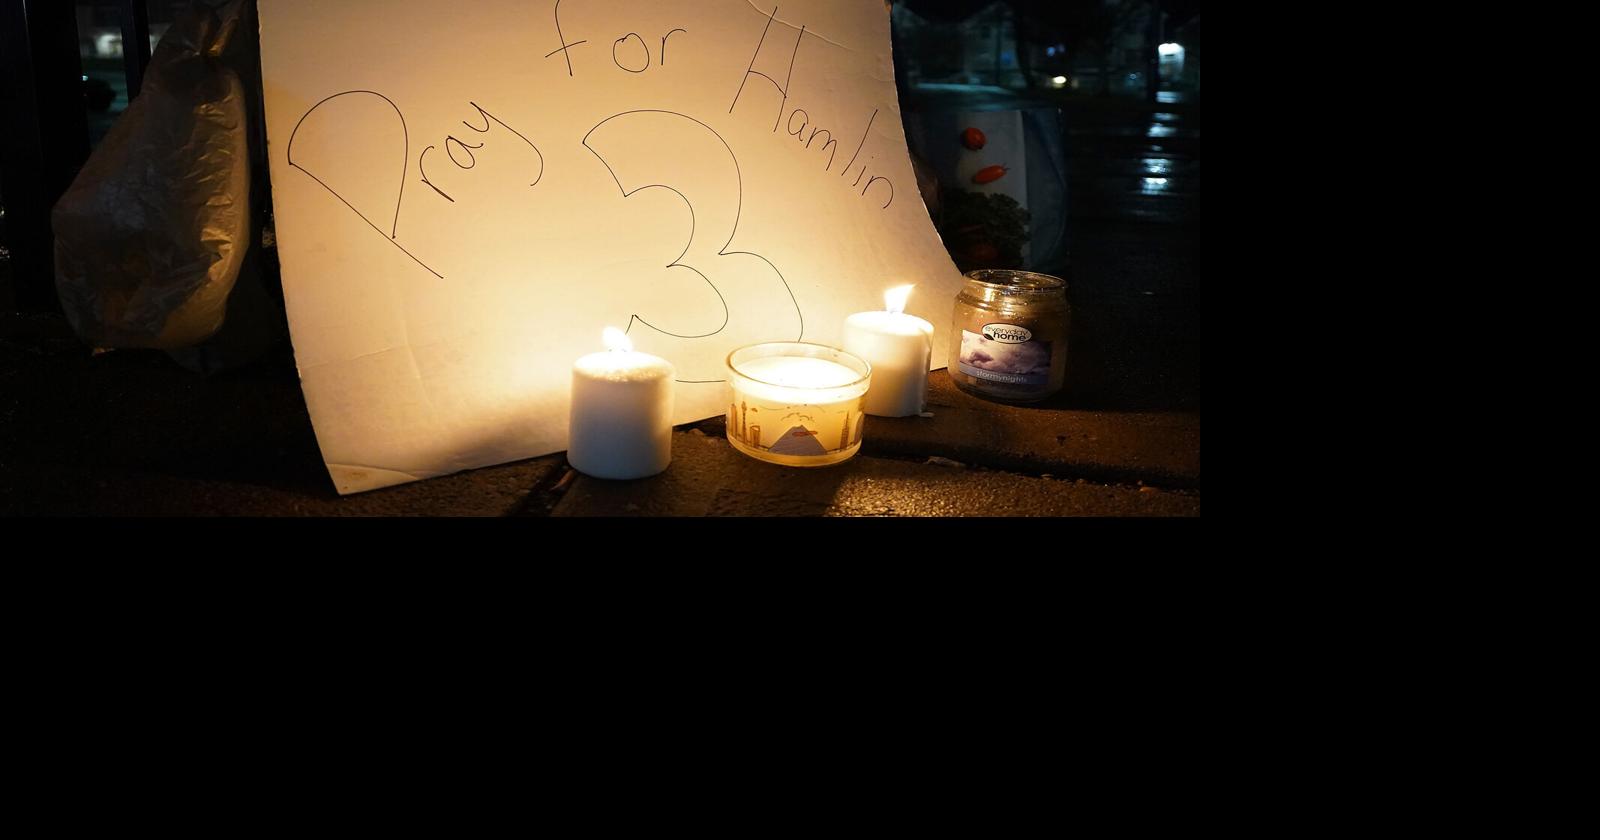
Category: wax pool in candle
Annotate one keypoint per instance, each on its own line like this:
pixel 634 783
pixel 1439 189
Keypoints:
pixel 796 410
pixel 621 412
pixel 899 347
pixel 790 371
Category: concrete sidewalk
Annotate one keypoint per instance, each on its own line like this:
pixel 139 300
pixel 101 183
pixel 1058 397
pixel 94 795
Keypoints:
pixel 131 434
pixel 708 477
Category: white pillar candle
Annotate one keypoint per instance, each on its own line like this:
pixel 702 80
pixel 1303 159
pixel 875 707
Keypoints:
pixel 899 347
pixel 621 412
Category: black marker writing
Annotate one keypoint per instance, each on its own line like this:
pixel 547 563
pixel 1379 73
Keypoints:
pixel 456 148
pixel 565 47
pixel 799 118
pixel 664 43
pixel 859 145
pixel 886 182
pixel 520 136
pixel 461 153
pixel 755 311
pixel 422 167
pixel 623 40
pixel 623 54
pixel 405 139
pixel 830 142
pixel 751 71
pixel 472 159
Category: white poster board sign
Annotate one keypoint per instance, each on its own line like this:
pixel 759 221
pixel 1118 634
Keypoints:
pixel 466 194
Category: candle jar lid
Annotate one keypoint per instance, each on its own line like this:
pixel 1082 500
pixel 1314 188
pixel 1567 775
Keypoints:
pixel 1004 285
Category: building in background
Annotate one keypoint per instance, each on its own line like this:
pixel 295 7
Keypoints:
pixel 959 47
pixel 1187 36
pixel 100 49
pixel 1108 47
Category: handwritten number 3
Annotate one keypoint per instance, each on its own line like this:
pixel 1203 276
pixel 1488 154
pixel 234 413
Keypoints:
pixel 758 307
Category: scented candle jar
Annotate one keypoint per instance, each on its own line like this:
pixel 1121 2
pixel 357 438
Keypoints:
pixel 1009 337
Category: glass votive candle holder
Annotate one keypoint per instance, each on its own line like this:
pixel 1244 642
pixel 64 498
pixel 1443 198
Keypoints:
pixel 797 404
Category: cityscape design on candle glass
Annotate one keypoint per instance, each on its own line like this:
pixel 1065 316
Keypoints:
pixel 797 404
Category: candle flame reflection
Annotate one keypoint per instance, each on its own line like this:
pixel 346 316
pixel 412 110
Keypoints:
pixel 618 340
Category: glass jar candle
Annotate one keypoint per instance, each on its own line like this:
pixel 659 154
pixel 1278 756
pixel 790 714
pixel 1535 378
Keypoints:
pixel 1009 337
pixel 797 404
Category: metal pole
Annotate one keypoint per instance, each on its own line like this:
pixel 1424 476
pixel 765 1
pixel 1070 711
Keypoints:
pixel 135 44
pixel 46 138
pixel 1152 56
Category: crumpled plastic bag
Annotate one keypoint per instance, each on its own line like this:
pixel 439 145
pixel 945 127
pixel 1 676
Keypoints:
pixel 150 237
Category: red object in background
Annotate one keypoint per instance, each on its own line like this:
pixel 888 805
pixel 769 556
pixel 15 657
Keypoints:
pixel 989 174
pixel 973 139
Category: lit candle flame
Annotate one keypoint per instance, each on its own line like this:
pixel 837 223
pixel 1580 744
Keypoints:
pixel 618 340
pixel 895 299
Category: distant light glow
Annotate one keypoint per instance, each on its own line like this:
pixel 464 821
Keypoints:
pixel 108 45
pixel 1059 81
pixel 1158 166
pixel 1170 49
pixel 1159 130
pixel 1155 185
pixel 1049 50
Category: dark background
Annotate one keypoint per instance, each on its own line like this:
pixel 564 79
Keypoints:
pixel 1131 115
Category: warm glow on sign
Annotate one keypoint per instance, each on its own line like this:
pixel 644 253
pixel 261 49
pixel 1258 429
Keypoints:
pixel 464 204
